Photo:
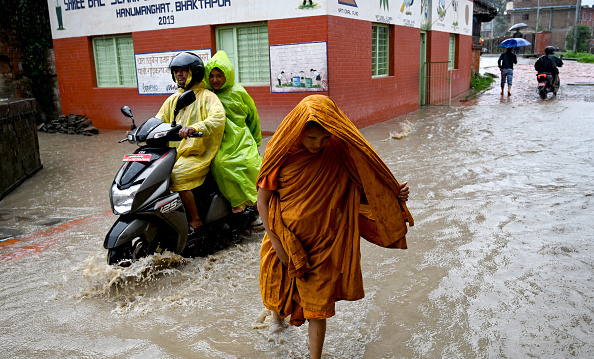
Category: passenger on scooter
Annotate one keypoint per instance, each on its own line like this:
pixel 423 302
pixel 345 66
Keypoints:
pixel 549 63
pixel 206 115
pixel 237 163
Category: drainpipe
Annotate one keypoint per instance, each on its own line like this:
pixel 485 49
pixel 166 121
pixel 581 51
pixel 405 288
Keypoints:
pixel 575 27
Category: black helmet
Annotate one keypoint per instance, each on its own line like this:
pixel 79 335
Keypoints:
pixel 549 50
pixel 190 61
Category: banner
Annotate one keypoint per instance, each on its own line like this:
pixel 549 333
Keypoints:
pixel 153 74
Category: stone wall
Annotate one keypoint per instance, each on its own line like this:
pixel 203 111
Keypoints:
pixel 19 144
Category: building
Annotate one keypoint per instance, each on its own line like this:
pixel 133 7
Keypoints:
pixel 378 59
pixel 555 18
pixel 483 14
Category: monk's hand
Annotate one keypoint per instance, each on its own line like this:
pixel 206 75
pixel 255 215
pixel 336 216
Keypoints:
pixel 283 256
pixel 403 193
pixel 186 131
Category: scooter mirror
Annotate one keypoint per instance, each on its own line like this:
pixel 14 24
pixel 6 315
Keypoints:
pixel 127 111
pixel 185 99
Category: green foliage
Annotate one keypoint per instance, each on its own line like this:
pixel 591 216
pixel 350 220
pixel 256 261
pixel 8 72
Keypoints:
pixel 500 23
pixel 479 82
pixel 584 35
pixel 580 56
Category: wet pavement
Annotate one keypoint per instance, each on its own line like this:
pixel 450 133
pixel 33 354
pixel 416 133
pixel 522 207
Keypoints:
pixel 500 261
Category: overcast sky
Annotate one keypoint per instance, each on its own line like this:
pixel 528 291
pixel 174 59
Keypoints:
pixel 588 2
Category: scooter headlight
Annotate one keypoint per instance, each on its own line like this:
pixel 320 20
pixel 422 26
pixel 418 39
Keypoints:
pixel 122 198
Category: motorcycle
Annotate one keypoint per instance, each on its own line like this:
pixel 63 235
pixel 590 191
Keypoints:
pixel 545 84
pixel 152 219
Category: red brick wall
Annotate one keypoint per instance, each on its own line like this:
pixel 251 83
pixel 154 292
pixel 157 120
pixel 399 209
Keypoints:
pixel 364 99
pixel 76 77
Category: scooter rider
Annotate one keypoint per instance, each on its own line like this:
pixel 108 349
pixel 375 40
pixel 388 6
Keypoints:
pixel 206 115
pixel 549 63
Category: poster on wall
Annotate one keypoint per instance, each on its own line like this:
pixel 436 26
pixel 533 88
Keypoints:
pixel 153 74
pixel 299 67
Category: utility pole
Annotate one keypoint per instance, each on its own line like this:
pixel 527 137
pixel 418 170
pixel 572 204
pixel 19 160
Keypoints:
pixel 536 27
pixel 578 7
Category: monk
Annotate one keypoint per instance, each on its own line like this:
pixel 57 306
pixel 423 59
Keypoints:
pixel 322 187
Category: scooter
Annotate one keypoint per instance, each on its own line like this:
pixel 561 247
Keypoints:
pixel 545 84
pixel 152 219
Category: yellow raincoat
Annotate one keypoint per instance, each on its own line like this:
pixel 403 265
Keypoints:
pixel 236 165
pixel 321 205
pixel 194 154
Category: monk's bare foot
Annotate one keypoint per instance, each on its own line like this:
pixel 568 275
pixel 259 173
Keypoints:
pixel 277 323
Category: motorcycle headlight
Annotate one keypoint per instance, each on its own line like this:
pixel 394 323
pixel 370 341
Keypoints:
pixel 122 198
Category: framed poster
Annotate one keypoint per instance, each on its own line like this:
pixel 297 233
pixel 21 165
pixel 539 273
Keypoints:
pixel 299 67
pixel 153 74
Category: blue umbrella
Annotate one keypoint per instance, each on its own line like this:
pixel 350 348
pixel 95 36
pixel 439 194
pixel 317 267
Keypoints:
pixel 515 42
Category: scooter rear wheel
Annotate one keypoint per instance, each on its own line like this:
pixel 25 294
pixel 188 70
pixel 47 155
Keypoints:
pixel 543 93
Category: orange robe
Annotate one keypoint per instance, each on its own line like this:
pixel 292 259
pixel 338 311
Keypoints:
pixel 316 211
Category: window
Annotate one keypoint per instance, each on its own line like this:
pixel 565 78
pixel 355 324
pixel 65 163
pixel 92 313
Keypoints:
pixel 452 53
pixel 526 17
pixel 114 61
pixel 247 48
pixel 380 50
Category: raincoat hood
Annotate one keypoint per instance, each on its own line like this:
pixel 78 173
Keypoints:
pixel 220 60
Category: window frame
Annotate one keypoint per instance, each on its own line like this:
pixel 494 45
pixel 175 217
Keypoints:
pixel 263 73
pixel 453 52
pixel 387 58
pixel 121 66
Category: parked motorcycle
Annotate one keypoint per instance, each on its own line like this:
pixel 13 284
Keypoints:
pixel 545 84
pixel 152 219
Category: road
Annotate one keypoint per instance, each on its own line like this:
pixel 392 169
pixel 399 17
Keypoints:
pixel 499 264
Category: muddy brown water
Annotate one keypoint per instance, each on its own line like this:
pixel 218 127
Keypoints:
pixel 500 261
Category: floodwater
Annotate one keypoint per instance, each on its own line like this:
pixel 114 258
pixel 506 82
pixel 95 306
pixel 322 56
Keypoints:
pixel 500 261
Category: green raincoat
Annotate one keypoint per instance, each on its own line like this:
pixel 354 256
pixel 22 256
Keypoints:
pixel 194 154
pixel 237 164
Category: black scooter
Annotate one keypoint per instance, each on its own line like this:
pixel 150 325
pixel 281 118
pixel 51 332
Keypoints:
pixel 152 218
pixel 545 84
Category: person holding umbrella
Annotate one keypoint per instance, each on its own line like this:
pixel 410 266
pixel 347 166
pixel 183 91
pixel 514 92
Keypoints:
pixel 506 66
pixel 517 34
pixel 507 60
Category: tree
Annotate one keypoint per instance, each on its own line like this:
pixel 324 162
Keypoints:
pixel 500 23
pixel 584 35
pixel 30 18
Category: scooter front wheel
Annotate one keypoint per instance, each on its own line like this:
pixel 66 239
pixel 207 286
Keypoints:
pixel 128 253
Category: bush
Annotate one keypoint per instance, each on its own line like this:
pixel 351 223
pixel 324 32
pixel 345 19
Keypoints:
pixel 580 56
pixel 584 34
pixel 479 82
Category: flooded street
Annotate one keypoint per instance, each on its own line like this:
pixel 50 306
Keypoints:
pixel 500 261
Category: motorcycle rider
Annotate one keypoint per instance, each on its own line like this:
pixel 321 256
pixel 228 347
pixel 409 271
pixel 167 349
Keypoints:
pixel 549 63
pixel 206 115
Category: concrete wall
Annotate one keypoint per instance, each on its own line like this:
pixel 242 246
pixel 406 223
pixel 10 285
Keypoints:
pixel 18 143
pixel 364 99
